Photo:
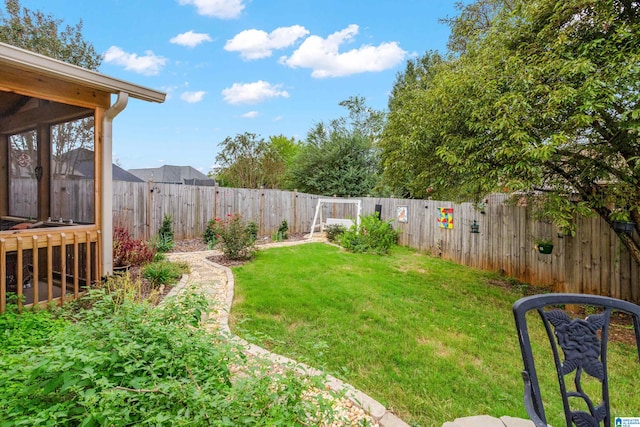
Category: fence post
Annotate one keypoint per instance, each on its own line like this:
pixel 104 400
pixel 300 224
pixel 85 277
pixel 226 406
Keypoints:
pixel 261 213
pixel 147 230
pixel 215 201
pixel 295 210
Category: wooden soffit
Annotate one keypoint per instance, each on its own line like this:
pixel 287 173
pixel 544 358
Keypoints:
pixel 45 87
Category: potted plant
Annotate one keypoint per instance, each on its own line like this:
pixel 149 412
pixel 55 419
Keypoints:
pixel 620 221
pixel 545 246
pixel 623 226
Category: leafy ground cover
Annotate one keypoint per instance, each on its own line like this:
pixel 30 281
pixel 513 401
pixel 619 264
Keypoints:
pixel 429 339
pixel 113 358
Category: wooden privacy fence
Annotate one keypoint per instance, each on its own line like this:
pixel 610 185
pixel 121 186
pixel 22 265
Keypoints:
pixel 593 261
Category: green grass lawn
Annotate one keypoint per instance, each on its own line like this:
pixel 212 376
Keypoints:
pixel 430 339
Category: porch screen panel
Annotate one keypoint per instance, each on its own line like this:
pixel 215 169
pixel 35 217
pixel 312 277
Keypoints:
pixel 23 162
pixel 73 183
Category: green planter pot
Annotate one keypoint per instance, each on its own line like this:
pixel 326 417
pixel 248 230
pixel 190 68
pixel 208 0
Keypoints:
pixel 545 248
pixel 623 227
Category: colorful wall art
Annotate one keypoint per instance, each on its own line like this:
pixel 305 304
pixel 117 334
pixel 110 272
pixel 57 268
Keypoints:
pixel 445 217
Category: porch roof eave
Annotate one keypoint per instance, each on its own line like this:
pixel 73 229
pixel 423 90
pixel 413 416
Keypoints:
pixel 30 61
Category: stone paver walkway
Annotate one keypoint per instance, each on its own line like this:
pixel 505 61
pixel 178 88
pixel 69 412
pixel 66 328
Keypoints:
pixel 217 282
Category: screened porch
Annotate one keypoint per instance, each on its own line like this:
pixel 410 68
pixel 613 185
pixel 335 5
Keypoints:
pixel 55 175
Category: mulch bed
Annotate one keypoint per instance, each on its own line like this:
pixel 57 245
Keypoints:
pixel 196 245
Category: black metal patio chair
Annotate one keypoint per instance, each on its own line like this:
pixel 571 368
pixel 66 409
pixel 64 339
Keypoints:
pixel 584 346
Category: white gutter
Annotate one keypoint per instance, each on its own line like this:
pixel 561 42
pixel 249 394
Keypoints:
pixel 107 181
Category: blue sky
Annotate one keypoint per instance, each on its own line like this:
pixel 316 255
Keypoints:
pixel 268 67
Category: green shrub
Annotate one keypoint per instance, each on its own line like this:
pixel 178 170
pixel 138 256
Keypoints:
pixel 237 239
pixel 164 239
pixel 283 230
pixel 210 236
pixel 334 232
pixel 134 364
pixel 164 272
pixel 252 229
pixel 163 244
pixel 373 235
pixel 31 328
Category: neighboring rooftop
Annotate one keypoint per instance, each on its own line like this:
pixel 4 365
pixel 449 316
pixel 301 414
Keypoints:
pixel 173 175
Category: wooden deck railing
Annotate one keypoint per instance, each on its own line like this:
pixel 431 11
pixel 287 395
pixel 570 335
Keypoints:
pixel 35 263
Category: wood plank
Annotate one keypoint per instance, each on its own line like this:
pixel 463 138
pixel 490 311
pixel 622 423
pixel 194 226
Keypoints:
pixel 55 236
pixel 36 270
pixel 625 273
pixel 45 113
pixel 39 86
pixel 98 257
pixel 4 174
pixel 19 271
pixel 49 268
pixel 88 262
pixel 76 269
pixel 63 270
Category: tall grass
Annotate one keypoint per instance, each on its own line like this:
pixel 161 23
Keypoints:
pixel 429 339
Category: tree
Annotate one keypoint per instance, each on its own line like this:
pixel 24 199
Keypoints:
pixel 43 34
pixel 278 159
pixel 341 164
pixel 247 161
pixel 473 21
pixel 238 163
pixel 341 157
pixel 544 101
pixel 406 160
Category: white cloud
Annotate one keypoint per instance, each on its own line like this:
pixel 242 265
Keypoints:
pixel 277 118
pixel 193 97
pixel 149 64
pixel 256 44
pixel 250 114
pixel 223 9
pixel 190 39
pixel 252 93
pixel 324 57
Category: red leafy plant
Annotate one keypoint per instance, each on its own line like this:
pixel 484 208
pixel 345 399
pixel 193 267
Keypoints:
pixel 128 251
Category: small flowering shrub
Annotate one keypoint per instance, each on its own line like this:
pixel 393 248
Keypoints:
pixel 130 251
pixel 237 239
pixel 373 235
pixel 209 236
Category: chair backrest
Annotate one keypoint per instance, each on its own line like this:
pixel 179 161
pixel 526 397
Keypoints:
pixel 584 352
